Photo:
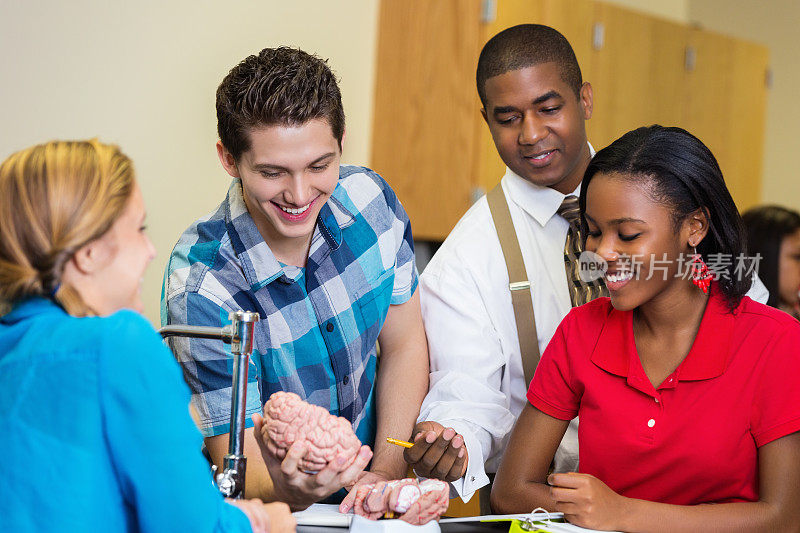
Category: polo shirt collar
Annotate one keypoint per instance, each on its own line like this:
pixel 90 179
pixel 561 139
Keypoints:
pixel 259 264
pixel 541 203
pixel 615 350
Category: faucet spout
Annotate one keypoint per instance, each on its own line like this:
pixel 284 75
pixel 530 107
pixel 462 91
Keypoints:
pixel 239 334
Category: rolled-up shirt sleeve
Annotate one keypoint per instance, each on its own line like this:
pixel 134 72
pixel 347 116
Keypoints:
pixel 208 363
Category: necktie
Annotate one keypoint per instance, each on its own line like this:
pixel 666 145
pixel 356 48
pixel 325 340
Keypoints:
pixel 580 291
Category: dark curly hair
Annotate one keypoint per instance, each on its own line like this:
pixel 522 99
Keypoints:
pixel 279 86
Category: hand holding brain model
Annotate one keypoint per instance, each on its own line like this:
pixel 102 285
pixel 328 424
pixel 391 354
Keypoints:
pixel 288 419
pixel 407 499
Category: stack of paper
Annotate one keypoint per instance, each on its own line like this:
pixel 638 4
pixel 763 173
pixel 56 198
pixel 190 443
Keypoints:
pixel 322 514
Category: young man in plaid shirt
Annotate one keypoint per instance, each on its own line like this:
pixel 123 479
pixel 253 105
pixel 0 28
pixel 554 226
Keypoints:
pixel 324 253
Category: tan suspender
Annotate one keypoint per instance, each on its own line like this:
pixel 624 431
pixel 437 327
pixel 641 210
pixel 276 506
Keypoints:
pixel 518 282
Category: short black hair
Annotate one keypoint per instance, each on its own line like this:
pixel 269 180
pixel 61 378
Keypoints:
pixel 766 228
pixel 524 46
pixel 285 86
pixel 682 173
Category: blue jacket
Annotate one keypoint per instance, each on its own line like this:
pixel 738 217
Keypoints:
pixel 95 429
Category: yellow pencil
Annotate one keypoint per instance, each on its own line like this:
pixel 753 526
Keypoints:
pixel 402 443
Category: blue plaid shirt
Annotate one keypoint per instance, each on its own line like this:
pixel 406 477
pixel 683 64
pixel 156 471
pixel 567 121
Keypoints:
pixel 319 324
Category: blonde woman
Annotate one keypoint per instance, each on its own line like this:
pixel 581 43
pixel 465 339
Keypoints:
pixel 96 430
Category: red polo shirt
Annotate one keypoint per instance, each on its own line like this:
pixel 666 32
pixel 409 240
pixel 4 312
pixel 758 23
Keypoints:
pixel 695 438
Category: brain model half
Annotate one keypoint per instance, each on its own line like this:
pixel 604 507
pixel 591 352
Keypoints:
pixel 288 419
pixel 407 499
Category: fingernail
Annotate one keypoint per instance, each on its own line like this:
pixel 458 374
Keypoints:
pixel 461 453
pixel 448 434
pixel 366 452
pixel 430 437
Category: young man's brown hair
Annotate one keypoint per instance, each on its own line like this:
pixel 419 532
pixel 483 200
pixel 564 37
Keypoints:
pixel 278 86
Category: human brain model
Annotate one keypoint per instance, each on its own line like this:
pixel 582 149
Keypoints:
pixel 288 419
pixel 407 499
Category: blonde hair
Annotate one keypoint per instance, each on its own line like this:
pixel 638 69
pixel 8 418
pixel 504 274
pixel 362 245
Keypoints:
pixel 54 199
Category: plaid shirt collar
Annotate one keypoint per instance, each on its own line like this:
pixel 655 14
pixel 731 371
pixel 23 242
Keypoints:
pixel 258 262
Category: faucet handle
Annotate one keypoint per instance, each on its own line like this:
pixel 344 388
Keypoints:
pixel 226 482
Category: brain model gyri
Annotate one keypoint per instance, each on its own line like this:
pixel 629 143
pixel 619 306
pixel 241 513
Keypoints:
pixel 288 419
pixel 411 500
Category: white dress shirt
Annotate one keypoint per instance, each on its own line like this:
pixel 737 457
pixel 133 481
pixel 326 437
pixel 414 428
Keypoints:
pixel 477 385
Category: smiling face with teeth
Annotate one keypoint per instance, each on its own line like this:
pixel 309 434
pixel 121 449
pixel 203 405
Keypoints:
pixel 624 222
pixel 538 125
pixel 287 175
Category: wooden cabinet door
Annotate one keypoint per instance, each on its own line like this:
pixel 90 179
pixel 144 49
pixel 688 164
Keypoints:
pixel 747 109
pixel 706 90
pixel 620 66
pixel 725 104
pixel 638 72
pixel 423 123
pixel 666 74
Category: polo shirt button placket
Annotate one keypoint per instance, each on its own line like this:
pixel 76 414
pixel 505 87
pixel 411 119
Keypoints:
pixel 651 421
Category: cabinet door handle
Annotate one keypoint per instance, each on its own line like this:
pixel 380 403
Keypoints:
pixel 690 59
pixel 598 35
pixel 488 11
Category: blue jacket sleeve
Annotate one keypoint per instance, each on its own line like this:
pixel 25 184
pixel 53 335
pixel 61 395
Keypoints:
pixel 154 445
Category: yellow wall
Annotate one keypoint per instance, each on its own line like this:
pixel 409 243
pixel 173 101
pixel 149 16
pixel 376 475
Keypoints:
pixel 143 74
pixel 773 23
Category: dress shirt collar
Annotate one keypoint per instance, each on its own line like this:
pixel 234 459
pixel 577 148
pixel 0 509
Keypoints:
pixel 539 202
pixel 615 350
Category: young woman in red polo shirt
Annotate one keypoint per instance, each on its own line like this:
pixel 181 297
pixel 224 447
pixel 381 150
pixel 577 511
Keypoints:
pixel 685 397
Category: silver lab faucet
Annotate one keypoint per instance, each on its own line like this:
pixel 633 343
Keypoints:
pixel 239 334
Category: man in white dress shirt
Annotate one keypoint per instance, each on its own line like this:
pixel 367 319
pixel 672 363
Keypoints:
pixel 535 104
